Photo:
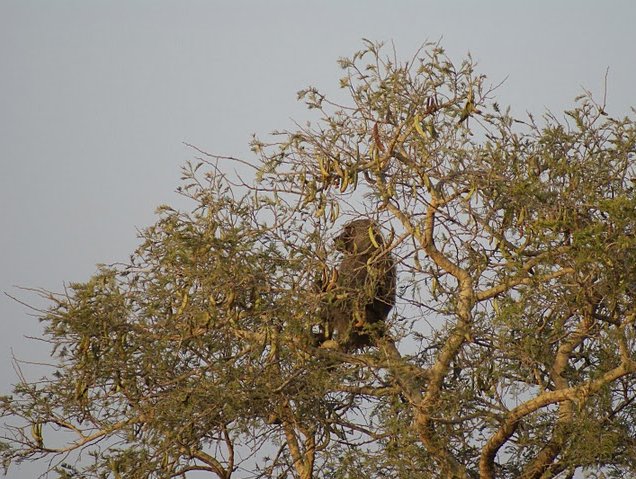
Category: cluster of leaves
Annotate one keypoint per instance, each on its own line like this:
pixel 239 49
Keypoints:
pixel 511 347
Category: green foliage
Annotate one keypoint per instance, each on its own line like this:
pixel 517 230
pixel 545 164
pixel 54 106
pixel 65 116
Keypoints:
pixel 511 348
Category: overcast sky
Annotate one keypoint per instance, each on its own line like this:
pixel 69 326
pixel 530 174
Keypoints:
pixel 96 98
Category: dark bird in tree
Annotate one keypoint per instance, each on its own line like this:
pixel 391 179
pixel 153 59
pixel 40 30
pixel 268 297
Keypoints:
pixel 363 293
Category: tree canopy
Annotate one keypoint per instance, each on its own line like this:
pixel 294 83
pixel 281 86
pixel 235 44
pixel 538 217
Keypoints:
pixel 511 349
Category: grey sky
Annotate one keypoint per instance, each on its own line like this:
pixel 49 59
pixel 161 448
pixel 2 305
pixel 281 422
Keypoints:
pixel 96 98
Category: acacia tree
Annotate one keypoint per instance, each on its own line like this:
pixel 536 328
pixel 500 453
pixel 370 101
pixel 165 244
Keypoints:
pixel 510 352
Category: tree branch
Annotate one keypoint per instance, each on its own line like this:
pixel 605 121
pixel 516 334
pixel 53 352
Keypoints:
pixel 509 426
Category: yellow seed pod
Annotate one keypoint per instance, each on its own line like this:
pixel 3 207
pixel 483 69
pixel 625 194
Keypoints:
pixel 36 432
pixel 184 303
pixel 344 183
pixel 418 126
pixel 372 237
pixel 334 212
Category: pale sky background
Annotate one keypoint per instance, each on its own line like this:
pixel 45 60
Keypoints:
pixel 96 98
